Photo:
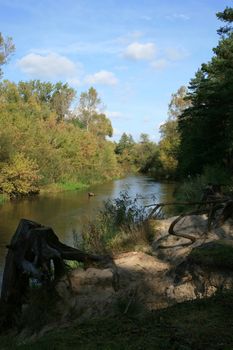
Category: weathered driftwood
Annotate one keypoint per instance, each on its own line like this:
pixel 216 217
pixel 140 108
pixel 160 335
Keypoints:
pixel 218 208
pixel 36 252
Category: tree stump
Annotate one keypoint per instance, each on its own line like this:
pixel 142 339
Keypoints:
pixel 36 252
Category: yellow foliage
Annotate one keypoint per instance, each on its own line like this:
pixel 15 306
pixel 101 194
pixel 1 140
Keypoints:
pixel 19 177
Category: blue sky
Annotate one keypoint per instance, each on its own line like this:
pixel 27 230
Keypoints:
pixel 136 53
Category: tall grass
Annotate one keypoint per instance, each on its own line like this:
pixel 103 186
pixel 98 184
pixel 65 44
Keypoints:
pixel 120 226
pixel 3 198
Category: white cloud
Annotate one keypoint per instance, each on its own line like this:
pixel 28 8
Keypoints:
pixel 176 54
pixel 137 51
pixel 175 16
pixel 48 66
pixel 159 64
pixel 102 77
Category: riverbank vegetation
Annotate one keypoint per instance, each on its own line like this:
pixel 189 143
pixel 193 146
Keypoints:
pixel 42 145
pixel 196 140
pixel 45 141
pixel 121 226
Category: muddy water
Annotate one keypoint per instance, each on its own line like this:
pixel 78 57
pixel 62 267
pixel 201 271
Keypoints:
pixel 68 211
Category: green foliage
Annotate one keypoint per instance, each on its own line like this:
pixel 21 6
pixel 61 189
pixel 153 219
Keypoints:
pixel 206 126
pixel 72 186
pixel 142 156
pixel 216 174
pixel 169 144
pixel 88 116
pixel 33 119
pixel 61 99
pixel 226 16
pixel 158 160
pixel 119 226
pixel 146 155
pixel 191 189
pixel 20 177
pixel 100 125
pixel 125 144
pixel 169 147
pixel 3 198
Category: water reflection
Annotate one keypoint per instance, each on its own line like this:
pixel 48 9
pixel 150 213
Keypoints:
pixel 68 211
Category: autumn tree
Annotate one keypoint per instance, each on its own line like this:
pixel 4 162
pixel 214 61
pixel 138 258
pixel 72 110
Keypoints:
pixel 89 115
pixel 100 125
pixel 62 96
pixel 89 103
pixel 32 124
pixel 6 49
pixel 57 97
pixel 170 137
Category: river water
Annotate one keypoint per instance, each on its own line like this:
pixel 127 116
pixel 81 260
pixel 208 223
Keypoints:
pixel 69 211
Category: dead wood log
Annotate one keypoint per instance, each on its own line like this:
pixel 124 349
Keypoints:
pixel 36 252
pixel 218 209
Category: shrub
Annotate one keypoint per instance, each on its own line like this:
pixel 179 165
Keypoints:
pixel 121 225
pixel 192 188
pixel 19 177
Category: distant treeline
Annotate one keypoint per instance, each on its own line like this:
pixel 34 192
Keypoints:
pixel 197 138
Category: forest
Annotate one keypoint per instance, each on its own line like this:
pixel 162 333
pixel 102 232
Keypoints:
pixel 48 144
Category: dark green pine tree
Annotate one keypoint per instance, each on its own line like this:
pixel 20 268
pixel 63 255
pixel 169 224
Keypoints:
pixel 206 128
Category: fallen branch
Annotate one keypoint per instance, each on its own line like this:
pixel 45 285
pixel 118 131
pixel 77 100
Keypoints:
pixel 209 207
pixel 160 205
pixel 184 235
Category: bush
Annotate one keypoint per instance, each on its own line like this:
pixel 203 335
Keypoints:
pixel 19 177
pixel 191 190
pixel 121 225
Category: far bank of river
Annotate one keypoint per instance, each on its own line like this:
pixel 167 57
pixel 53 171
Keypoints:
pixel 68 211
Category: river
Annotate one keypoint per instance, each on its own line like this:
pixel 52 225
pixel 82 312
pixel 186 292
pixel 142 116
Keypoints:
pixel 69 211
